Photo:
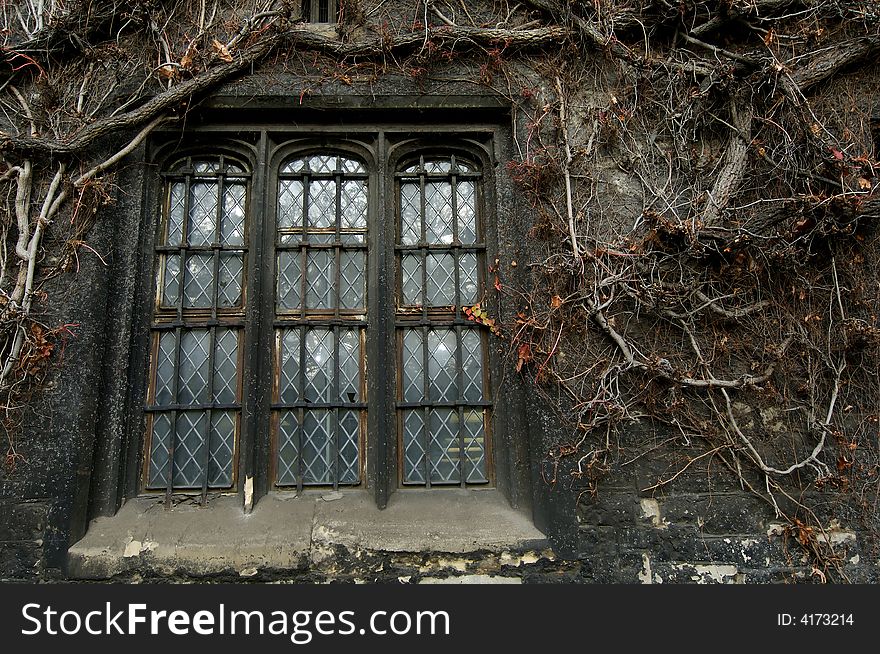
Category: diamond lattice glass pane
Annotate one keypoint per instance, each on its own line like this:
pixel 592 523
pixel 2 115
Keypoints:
pixel 413 169
pixel 198 284
pixel 474 447
pixel 411 278
pixel 323 163
pixel 468 279
pixel 233 168
pixel 467 213
pixel 352 166
pixel 472 365
pixel 413 366
pixel 159 441
pixel 352 279
pixel 349 450
pixel 171 280
pixel 442 368
pixel 189 452
pixel 287 463
pixel 232 225
pixel 206 166
pixel 463 166
pixel 175 213
pixel 319 365
pixel 322 204
pixel 440 281
pixel 222 449
pixel 352 238
pixel 444 446
pixel 202 213
pixel 317 447
pixel 295 166
pixel 226 366
pixel 229 281
pixel 165 368
pixel 438 212
pixel 320 293
pixel 438 167
pixel 354 204
pixel 350 365
pixel 288 382
pixel 413 447
pixel 410 214
pixel 289 279
pixel 192 378
pixel 290 203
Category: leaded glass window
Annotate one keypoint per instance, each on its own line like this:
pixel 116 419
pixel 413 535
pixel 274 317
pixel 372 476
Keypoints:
pixel 442 406
pixel 319 11
pixel 273 369
pixel 194 399
pixel 320 319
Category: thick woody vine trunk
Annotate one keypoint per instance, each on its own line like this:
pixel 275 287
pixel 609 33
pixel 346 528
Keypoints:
pixel 734 163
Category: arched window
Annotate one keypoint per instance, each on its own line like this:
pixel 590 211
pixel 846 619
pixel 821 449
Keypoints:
pixel 343 350
pixel 442 391
pixel 319 404
pixel 194 396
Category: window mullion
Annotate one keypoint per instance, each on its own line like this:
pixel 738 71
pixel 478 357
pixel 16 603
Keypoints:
pixel 256 366
pixel 380 308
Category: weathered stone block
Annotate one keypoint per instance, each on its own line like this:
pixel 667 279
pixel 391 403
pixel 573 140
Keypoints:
pixel 608 510
pixel 20 560
pixel 722 513
pixel 22 521
pixel 596 542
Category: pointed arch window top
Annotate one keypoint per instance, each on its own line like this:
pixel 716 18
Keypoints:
pixel 326 164
pixel 440 166
pixel 207 166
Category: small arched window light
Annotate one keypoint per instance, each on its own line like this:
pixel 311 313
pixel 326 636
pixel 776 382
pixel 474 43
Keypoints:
pixel 194 398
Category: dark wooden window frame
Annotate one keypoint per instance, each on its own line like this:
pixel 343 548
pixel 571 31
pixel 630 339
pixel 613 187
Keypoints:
pixel 381 149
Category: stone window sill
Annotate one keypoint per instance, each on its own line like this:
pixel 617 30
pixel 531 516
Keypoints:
pixel 286 532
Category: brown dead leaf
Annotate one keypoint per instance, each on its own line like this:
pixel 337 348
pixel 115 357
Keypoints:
pixel 187 60
pixel 524 355
pixel 221 51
